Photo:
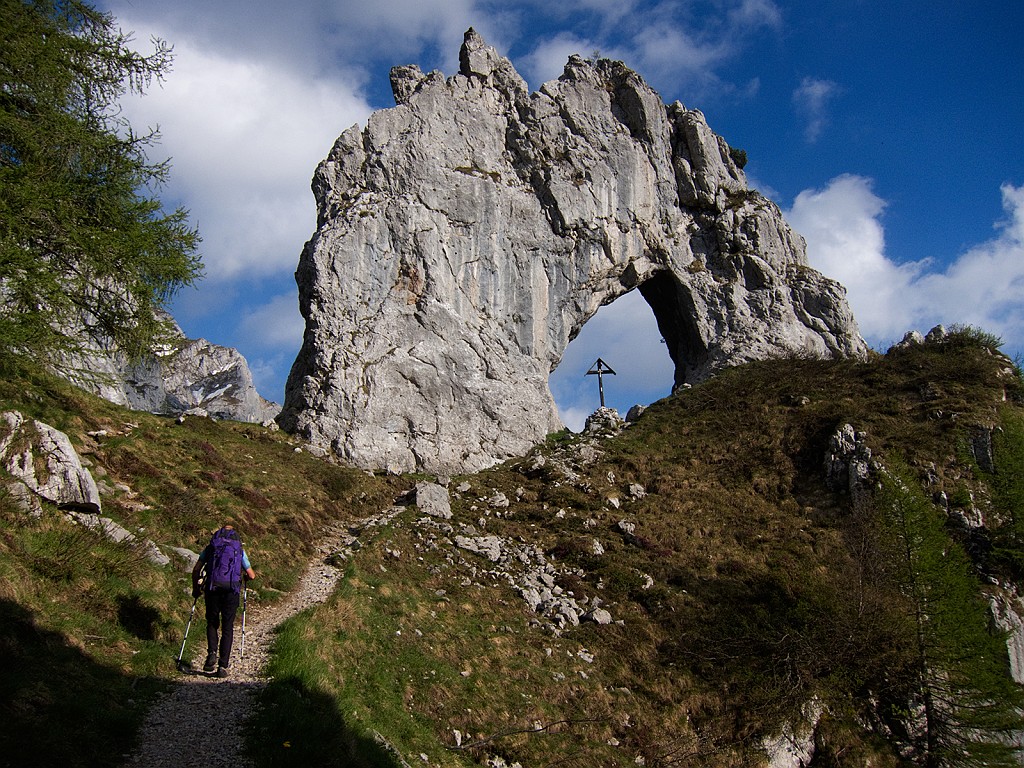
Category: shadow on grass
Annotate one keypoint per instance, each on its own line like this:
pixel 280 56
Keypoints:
pixel 57 705
pixel 60 707
pixel 136 617
pixel 769 639
pixel 296 726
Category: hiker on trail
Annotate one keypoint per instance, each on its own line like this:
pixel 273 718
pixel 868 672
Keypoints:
pixel 226 565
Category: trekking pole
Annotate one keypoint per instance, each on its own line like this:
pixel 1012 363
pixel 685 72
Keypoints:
pixel 241 655
pixel 199 583
pixel 187 628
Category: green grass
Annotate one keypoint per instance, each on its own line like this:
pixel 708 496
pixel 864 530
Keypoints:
pixel 300 722
pixel 418 663
pixel 757 603
pixel 92 629
pixel 742 590
pixel 85 632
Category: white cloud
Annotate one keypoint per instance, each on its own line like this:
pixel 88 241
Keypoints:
pixel 574 417
pixel 751 14
pixel 287 35
pixel 625 335
pixel 663 41
pixel 254 101
pixel 610 9
pixel 272 334
pixel 547 60
pixel 424 32
pixel 674 45
pixel 244 138
pixel 275 324
pixel 811 100
pixel 673 48
pixel 409 24
pixel 983 286
pixel 323 36
pixel 846 241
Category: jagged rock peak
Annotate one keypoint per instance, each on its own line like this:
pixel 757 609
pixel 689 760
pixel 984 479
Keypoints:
pixel 466 235
pixel 476 57
pixel 181 375
pixel 476 60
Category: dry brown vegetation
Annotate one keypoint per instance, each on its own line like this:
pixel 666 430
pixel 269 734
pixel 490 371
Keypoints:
pixel 744 590
pixel 766 592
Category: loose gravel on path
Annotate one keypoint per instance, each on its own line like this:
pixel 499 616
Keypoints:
pixel 199 721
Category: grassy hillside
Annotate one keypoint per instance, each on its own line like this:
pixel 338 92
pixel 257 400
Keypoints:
pixel 746 597
pixel 89 631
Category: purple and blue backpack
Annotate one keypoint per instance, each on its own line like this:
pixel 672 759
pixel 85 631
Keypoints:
pixel 224 567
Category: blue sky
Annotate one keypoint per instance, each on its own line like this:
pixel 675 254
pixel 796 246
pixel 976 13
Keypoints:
pixel 890 132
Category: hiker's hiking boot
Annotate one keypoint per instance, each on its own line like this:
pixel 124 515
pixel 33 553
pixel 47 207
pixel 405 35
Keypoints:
pixel 222 672
pixel 211 664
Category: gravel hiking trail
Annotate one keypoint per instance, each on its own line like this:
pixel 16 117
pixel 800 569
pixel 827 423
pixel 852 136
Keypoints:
pixel 200 720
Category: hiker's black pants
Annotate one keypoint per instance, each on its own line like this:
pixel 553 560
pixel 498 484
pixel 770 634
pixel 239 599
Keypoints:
pixel 221 607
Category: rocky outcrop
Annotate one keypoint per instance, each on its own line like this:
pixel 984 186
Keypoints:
pixel 1008 614
pixel 466 235
pixel 794 747
pixel 432 499
pixel 180 376
pixel 848 464
pixel 44 465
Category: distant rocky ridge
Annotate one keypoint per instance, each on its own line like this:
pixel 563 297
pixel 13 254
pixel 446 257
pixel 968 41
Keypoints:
pixel 466 235
pixel 182 375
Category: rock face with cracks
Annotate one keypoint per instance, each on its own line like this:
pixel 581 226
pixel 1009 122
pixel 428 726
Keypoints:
pixel 466 235
pixel 180 375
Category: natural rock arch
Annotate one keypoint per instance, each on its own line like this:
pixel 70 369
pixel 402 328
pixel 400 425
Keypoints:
pixel 466 235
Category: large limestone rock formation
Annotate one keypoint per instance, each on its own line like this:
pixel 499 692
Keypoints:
pixel 466 235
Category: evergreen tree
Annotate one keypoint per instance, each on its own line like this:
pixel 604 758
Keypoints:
pixel 963 705
pixel 83 240
pixel 1007 484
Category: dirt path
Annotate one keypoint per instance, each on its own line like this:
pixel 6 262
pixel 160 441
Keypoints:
pixel 200 720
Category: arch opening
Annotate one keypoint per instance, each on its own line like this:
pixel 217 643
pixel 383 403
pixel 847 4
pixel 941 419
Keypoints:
pixel 643 335
pixel 674 312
